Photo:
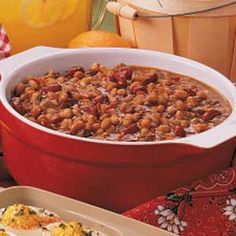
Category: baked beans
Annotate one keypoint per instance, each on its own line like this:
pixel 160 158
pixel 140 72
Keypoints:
pixel 125 103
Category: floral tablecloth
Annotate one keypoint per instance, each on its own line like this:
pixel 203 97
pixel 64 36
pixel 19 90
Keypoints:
pixel 204 208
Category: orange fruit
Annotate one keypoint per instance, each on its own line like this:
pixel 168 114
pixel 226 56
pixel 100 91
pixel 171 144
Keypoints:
pixel 98 39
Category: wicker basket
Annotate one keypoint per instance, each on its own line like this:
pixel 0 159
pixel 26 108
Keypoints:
pixel 203 30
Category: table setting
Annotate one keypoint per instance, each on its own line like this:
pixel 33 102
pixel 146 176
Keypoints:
pixel 122 116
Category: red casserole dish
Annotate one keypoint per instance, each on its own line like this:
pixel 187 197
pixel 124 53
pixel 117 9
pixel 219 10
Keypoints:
pixel 113 175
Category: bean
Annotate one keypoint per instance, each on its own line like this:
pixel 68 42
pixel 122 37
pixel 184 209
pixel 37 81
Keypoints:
pixel 180 105
pixel 91 118
pixel 151 87
pixel 90 109
pixel 115 120
pixel 185 123
pixel 63 97
pixel 160 108
pixel 134 85
pixel 61 79
pixel 169 136
pixel 123 106
pixel 66 124
pixel 191 92
pixel 79 74
pixel 106 123
pixel 35 112
pixel 28 90
pixel 87 80
pixel 102 99
pixel 164 121
pixel 191 102
pixel 50 81
pixel 104 134
pixel 102 117
pixel 114 92
pixel 86 133
pixel 155 118
pixel 175 122
pixel 52 73
pixel 151 79
pixel 71 71
pixel 152 98
pixel 144 131
pixel 121 92
pixel 18 106
pixel 96 126
pixel 20 88
pixel 42 119
pixel 100 131
pixel 84 117
pixel 78 123
pixel 164 128
pixel 200 127
pixel 209 115
pixel 74 80
pixel 95 66
pixel 179 115
pixel 202 94
pixel 35 98
pixel 34 84
pixel 66 113
pixel 179 131
pixel 111 129
pixel 113 79
pixel 181 94
pixel 171 110
pixel 135 117
pixel 126 122
pixel 145 123
pixel 52 88
pixel 163 98
pixel 138 99
pixel 131 129
pixel 196 120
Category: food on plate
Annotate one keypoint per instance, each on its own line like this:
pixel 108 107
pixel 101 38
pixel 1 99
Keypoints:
pixel 95 38
pixel 3 232
pixel 63 229
pixel 19 216
pixel 125 103
pixel 20 219
pixel 72 228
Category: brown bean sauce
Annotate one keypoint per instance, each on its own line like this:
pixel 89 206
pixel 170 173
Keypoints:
pixel 125 103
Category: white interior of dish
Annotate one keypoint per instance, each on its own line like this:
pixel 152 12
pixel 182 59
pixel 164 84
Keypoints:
pixel 113 56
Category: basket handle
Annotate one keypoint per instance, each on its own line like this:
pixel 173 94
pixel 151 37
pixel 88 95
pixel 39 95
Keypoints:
pixel 122 10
